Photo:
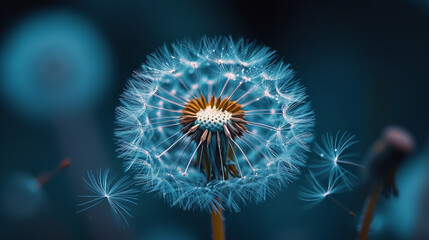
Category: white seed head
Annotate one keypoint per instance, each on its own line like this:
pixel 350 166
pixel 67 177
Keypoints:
pixel 212 119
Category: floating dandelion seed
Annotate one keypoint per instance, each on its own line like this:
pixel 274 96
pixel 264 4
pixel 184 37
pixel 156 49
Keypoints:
pixel 317 192
pixel 214 125
pixel 118 195
pixel 333 156
pixel 329 167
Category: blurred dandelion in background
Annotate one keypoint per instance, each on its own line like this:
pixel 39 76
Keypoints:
pixel 52 63
pixel 22 196
pixel 402 216
pixel 214 124
pixel 118 194
pixel 387 154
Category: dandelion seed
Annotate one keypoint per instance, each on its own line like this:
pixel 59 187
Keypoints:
pixel 118 195
pixel 233 127
pixel 317 192
pixel 334 157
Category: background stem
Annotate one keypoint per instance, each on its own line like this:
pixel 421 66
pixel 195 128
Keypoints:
pixel 369 212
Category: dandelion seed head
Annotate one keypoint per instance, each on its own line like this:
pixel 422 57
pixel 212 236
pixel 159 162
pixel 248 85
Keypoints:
pixel 212 119
pixel 215 131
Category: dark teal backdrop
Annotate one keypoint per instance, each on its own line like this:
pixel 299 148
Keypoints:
pixel 365 65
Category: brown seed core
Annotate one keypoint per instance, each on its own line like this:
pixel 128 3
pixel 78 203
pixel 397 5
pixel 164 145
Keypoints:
pixel 213 126
pixel 216 112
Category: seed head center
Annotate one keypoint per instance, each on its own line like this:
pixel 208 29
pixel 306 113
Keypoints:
pixel 202 120
pixel 212 119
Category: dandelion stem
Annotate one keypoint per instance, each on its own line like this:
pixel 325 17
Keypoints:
pixel 369 212
pixel 218 231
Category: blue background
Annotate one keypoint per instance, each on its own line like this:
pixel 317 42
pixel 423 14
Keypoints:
pixel 365 65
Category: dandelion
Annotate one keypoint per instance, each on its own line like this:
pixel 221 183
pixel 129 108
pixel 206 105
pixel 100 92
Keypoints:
pixel 214 125
pixel 118 195
pixel 333 157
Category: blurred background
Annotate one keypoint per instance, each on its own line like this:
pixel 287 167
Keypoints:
pixel 64 64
